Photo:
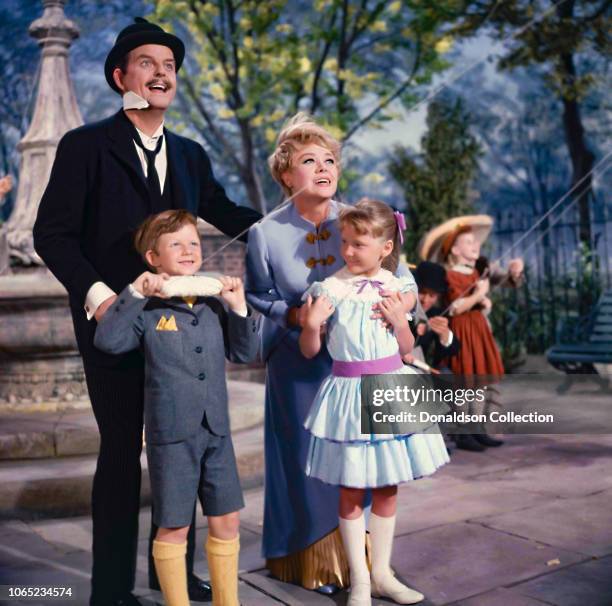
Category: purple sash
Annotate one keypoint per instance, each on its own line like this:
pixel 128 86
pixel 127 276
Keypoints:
pixel 367 367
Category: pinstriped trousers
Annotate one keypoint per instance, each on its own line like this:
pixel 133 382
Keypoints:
pixel 117 398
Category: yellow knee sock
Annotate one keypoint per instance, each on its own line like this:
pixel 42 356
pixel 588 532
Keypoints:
pixel 172 571
pixel 223 567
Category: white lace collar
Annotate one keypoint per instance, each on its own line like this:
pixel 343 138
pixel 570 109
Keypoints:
pixel 382 275
pixel 346 285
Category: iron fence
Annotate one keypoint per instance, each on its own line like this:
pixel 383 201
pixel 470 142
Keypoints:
pixel 564 278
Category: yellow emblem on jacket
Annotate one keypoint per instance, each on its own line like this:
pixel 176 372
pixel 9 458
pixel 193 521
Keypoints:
pixel 166 323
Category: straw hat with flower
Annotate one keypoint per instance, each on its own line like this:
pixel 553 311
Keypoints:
pixel 436 244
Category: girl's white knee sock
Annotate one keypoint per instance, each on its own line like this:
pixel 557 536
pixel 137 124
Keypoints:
pixel 384 584
pixel 353 538
pixel 381 544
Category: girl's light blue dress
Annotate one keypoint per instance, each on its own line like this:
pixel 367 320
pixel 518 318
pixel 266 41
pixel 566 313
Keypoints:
pixel 338 453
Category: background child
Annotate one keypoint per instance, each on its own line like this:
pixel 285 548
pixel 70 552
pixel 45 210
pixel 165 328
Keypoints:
pixel 189 447
pixel 469 303
pixel 339 454
pixel 434 337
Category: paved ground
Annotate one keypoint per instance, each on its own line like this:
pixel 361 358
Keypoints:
pixel 523 525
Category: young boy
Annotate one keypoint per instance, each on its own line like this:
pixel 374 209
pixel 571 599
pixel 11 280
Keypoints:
pixel 436 340
pixel 189 447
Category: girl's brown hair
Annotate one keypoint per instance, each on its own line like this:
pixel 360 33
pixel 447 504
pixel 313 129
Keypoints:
pixel 299 130
pixel 155 226
pixel 375 218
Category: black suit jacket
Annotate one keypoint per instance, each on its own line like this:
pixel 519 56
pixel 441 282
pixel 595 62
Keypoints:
pixel 431 341
pixel 97 197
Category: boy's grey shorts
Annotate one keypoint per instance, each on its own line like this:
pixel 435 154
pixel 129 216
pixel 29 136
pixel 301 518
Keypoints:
pixel 204 465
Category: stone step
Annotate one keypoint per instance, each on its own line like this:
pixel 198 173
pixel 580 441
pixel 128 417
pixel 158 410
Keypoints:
pixel 61 486
pixel 59 433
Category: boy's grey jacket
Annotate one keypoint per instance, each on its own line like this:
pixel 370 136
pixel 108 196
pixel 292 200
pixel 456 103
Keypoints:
pixel 184 368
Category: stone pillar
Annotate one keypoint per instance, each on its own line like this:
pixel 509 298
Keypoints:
pixel 56 111
pixel 39 361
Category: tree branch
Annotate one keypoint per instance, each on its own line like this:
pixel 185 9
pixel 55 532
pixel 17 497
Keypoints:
pixel 314 97
pixel 211 124
pixel 398 91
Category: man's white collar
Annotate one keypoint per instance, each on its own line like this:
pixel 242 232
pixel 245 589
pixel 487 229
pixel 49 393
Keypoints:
pixel 133 101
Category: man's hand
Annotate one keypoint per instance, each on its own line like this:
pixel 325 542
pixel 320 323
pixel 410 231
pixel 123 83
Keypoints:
pixel 439 324
pixel 103 307
pixel 316 313
pixel 150 284
pixel 233 293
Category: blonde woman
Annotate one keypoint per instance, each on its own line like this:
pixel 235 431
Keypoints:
pixel 294 247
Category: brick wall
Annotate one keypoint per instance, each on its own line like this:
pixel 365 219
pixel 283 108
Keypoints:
pixel 230 260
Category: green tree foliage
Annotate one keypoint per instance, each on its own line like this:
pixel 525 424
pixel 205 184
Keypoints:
pixel 436 182
pixel 551 34
pixel 257 63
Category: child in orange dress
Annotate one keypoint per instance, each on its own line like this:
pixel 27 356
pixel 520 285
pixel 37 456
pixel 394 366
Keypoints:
pixel 467 299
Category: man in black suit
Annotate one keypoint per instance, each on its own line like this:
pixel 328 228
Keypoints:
pixel 106 179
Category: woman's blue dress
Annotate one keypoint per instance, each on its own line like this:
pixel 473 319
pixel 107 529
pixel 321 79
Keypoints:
pixel 285 254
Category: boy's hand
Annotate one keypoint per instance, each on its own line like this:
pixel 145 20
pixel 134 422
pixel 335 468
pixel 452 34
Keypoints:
pixel 150 284
pixel 233 293
pixel 439 324
pixel 421 328
pixel 316 313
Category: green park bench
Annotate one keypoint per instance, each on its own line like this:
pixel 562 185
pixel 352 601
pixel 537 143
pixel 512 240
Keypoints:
pixel 584 341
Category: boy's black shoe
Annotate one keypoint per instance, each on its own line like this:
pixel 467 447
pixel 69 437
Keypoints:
pixel 129 599
pixel 198 590
pixel 487 440
pixel 466 441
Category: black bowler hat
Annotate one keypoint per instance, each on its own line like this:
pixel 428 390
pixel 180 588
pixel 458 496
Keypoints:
pixel 135 35
pixel 431 276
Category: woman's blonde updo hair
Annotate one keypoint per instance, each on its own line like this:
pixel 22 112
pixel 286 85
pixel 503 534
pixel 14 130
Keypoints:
pixel 375 218
pixel 299 130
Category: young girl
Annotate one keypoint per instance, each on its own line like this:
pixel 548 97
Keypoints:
pixel 339 454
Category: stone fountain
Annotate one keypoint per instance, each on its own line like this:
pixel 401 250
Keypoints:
pixel 39 362
pixel 40 367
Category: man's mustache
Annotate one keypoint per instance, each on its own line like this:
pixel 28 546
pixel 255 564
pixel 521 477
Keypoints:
pixel 159 81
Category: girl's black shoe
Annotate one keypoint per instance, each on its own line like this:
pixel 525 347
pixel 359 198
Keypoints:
pixel 466 441
pixel 487 440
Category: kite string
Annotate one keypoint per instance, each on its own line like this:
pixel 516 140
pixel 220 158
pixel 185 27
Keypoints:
pixel 416 105
pixel 280 207
pixel 550 226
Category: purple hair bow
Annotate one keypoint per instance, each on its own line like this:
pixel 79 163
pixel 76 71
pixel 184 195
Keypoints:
pixel 401 224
